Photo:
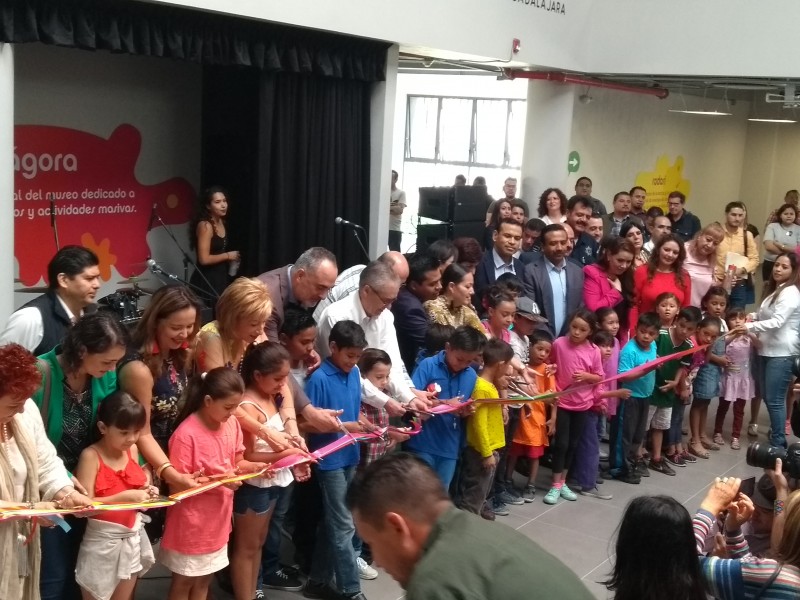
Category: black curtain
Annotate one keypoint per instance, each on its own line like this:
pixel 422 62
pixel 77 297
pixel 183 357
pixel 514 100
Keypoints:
pixel 135 27
pixel 295 155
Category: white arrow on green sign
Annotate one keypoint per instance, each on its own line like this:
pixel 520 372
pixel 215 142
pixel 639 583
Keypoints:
pixel 573 162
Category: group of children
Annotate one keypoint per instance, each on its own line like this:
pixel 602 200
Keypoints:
pixel 596 385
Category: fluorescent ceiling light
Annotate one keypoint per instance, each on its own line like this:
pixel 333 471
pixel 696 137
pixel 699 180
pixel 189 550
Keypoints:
pixel 772 120
pixel 709 113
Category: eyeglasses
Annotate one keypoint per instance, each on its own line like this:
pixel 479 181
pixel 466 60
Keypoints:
pixel 384 301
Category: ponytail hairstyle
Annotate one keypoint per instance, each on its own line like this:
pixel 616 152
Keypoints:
pixel 770 287
pixel 265 358
pixel 93 334
pixel 495 295
pixel 217 384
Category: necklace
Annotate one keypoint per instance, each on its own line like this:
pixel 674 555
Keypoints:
pixel 4 441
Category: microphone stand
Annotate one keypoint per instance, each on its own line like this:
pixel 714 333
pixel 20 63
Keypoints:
pixel 211 293
pixel 168 278
pixel 360 243
pixel 53 223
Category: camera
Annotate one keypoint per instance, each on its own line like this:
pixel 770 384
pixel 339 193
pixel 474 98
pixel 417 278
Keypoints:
pixel 763 456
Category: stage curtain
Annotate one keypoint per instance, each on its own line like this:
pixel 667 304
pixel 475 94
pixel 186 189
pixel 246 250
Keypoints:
pixel 135 27
pixel 294 152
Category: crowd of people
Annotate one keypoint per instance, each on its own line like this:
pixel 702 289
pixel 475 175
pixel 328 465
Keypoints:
pixel 482 364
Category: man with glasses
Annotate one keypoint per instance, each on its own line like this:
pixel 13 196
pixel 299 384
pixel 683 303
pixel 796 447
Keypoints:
pixel 684 224
pixel 378 288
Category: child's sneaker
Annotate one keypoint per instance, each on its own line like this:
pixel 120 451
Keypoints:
pixel 752 430
pixel 641 468
pixel 718 439
pixel 688 457
pixel 506 496
pixel 529 493
pixel 552 496
pixel 568 494
pixel 499 508
pixel 631 478
pixel 735 443
pixel 676 459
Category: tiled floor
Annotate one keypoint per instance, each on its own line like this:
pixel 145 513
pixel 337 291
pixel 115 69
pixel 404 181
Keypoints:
pixel 580 533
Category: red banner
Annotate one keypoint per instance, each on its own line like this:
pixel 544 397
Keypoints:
pixel 99 202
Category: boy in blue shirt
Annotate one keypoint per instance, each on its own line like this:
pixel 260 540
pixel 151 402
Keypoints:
pixel 628 426
pixel 442 437
pixel 336 385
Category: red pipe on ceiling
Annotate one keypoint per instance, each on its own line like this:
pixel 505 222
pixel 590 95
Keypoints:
pixel 560 77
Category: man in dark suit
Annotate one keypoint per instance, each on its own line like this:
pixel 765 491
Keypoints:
pixel 553 282
pixel 410 319
pixel 304 283
pixel 507 240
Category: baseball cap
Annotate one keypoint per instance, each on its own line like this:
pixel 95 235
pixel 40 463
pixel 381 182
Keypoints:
pixel 527 308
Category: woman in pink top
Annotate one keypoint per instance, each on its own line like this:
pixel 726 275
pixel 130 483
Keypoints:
pixel 609 282
pixel 579 366
pixel 209 442
pixel 701 257
pixel 662 273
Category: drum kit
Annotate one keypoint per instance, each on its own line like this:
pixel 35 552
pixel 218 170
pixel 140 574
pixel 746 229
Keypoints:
pixel 124 302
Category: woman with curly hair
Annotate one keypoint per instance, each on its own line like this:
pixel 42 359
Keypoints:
pixel 553 206
pixel 31 473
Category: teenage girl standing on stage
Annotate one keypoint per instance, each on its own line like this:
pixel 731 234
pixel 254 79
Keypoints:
pixel 208 236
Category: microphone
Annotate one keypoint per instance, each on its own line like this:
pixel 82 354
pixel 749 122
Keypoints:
pixel 52 210
pixel 346 223
pixel 155 268
pixel 152 217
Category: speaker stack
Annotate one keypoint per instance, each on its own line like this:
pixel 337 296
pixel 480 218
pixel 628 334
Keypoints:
pixel 459 210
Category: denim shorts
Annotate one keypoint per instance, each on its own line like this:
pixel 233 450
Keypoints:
pixel 259 500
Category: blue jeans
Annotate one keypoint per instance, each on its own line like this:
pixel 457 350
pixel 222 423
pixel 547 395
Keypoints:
pixel 741 296
pixel 776 376
pixel 59 557
pixel 445 467
pixel 270 555
pixel 334 553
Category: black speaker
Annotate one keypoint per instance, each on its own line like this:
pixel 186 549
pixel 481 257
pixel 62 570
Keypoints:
pixel 469 203
pixel 473 229
pixel 434 203
pixel 427 234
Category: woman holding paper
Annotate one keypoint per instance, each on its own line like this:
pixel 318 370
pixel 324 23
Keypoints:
pixel 738 249
pixel 30 471
pixel 776 324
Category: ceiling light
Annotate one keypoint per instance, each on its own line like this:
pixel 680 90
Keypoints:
pixel 708 113
pixel 772 120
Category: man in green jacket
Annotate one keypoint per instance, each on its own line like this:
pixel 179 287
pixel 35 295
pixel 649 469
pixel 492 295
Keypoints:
pixel 436 552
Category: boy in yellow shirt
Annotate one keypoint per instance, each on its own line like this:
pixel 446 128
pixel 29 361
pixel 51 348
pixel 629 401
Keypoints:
pixel 485 428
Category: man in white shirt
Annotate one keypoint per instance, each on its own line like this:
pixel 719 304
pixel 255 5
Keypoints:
pixel 660 228
pixel 367 306
pixel 73 278
pixel 396 206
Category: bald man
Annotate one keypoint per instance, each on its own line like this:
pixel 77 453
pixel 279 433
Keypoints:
pixel 347 281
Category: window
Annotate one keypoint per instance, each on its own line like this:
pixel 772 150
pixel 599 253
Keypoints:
pixel 468 132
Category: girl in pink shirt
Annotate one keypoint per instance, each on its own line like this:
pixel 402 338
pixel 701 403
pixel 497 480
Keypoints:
pixel 579 367
pixel 207 442
pixel 500 309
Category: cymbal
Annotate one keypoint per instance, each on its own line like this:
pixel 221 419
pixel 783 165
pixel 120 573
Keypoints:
pixel 130 280
pixel 136 290
pixel 32 290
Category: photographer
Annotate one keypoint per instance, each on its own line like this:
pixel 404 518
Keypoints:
pixel 743 575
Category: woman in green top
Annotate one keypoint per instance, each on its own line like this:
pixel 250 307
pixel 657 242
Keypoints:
pixel 76 377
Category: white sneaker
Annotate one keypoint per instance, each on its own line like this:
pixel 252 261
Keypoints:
pixel 364 570
pixel 752 430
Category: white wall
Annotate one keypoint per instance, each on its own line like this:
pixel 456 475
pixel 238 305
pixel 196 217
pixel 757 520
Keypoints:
pixel 620 134
pixel 771 166
pixel 96 92
pixel 685 37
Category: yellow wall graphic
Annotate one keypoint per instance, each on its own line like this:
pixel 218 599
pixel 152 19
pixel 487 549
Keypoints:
pixel 662 180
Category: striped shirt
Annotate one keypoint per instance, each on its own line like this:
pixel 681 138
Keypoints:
pixel 742 576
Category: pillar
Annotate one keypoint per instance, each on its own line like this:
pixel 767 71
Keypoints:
pixel 6 182
pixel 381 134
pixel 548 134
